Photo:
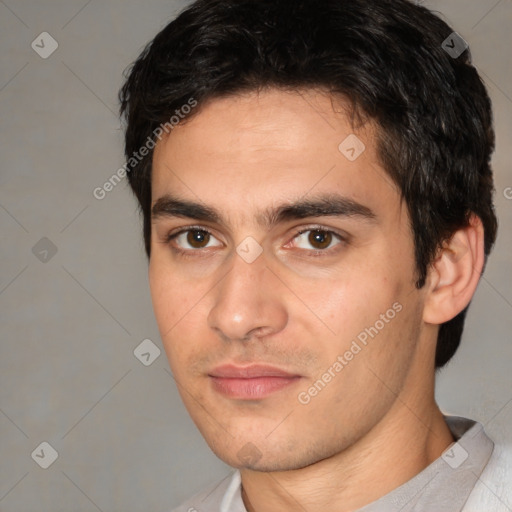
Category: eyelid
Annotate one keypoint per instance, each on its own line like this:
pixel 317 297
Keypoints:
pixel 183 229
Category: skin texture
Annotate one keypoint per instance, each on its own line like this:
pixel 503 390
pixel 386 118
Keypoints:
pixel 298 307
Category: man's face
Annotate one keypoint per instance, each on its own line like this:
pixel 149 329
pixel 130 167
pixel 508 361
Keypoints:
pixel 285 293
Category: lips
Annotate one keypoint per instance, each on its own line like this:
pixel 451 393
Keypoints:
pixel 249 372
pixel 253 382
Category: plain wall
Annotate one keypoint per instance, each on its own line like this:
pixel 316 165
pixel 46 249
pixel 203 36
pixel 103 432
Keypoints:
pixel 69 325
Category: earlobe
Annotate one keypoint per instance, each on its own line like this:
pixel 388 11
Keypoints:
pixel 454 275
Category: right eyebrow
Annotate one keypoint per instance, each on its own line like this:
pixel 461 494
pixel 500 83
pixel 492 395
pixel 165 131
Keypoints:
pixel 168 206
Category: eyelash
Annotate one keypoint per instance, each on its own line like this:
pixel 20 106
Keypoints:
pixel 343 239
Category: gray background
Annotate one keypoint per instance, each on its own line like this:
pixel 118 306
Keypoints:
pixel 70 324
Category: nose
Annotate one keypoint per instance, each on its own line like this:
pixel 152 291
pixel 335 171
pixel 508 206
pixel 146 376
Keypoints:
pixel 248 303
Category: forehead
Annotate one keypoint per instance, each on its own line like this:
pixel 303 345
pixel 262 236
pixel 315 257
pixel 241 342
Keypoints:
pixel 245 152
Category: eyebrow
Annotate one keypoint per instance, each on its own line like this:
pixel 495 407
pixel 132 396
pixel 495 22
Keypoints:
pixel 321 206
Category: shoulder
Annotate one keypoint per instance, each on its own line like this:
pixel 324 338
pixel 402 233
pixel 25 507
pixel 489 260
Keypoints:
pixel 209 499
pixel 493 490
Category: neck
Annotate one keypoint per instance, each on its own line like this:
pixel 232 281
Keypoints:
pixel 399 447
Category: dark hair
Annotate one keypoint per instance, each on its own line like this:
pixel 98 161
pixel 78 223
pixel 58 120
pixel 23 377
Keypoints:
pixel 387 57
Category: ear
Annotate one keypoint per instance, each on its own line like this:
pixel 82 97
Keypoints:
pixel 454 275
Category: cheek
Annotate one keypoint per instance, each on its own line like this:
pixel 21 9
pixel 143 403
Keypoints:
pixel 161 287
pixel 348 302
pixel 173 305
pixel 173 296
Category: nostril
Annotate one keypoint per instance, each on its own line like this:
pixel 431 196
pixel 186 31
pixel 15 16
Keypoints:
pixel 259 332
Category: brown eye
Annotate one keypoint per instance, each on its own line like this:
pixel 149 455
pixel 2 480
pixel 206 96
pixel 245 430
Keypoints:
pixel 320 239
pixel 317 239
pixel 197 238
pixel 194 240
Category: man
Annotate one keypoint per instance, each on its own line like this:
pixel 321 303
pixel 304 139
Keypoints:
pixel 317 199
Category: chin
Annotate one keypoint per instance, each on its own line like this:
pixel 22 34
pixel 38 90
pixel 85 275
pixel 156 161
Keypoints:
pixel 268 458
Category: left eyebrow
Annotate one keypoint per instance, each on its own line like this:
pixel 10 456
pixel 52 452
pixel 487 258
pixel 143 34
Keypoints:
pixel 333 205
